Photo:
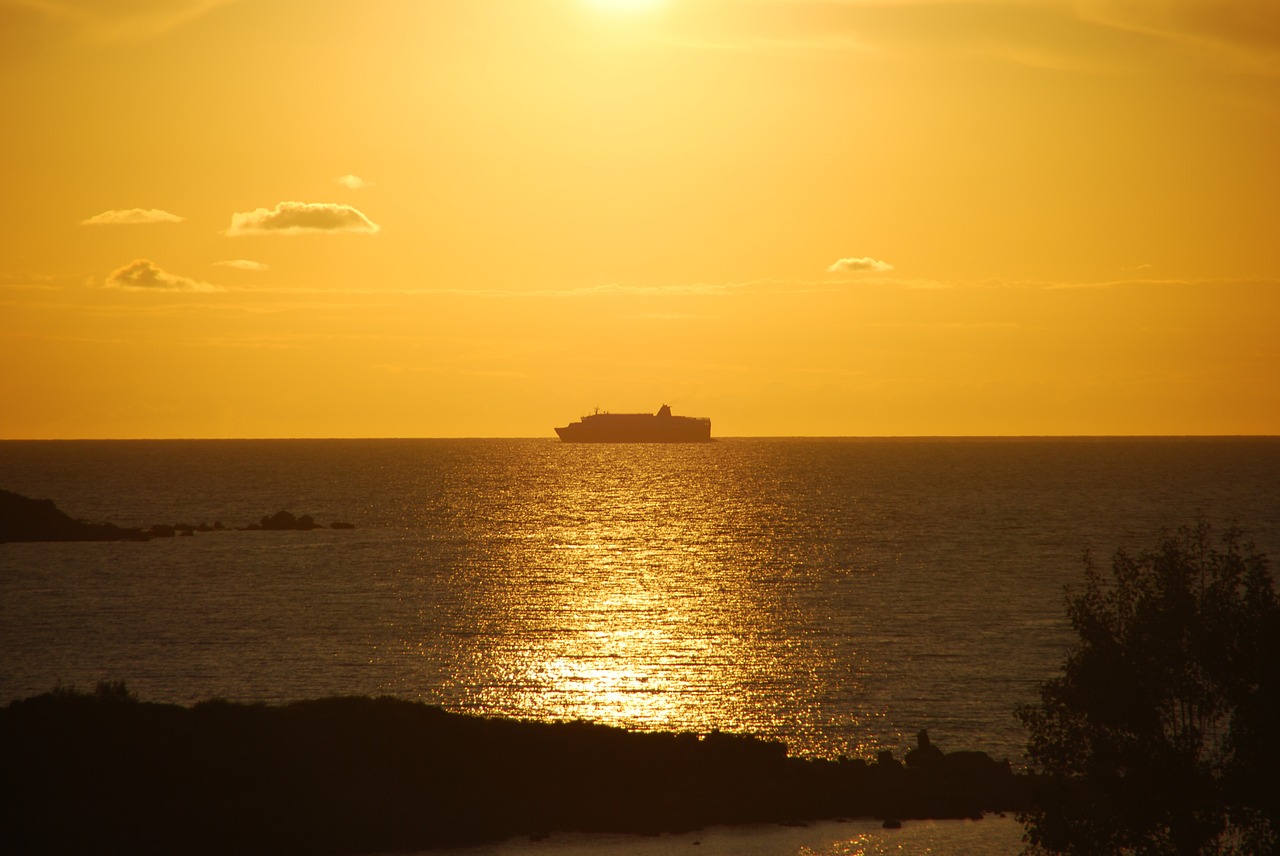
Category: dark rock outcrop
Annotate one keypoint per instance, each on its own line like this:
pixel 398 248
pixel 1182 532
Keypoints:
pixel 26 519
pixel 925 756
pixel 285 520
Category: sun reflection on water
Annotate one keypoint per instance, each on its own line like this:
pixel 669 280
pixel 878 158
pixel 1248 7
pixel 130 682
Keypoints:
pixel 628 587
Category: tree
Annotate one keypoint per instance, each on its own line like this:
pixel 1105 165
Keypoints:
pixel 1159 735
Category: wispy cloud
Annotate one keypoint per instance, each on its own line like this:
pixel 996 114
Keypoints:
pixel 131 217
pixel 110 21
pixel 693 289
pixel 1066 36
pixel 241 264
pixel 1127 282
pixel 1249 30
pixel 145 275
pixel 296 218
pixel 855 264
pixel 614 290
pixel 353 182
pixel 41 281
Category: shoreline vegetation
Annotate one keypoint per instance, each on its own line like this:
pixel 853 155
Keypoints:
pixel 103 772
pixel 25 519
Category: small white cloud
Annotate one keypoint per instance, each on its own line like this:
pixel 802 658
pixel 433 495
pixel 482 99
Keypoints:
pixel 241 264
pixel 131 217
pixel 145 275
pixel 296 218
pixel 858 265
pixel 353 182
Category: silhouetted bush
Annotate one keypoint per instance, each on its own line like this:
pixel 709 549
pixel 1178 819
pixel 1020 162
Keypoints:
pixel 1159 736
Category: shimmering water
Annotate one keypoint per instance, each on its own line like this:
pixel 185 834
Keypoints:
pixel 987 837
pixel 836 594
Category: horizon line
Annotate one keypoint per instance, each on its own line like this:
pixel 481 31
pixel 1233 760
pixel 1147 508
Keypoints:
pixel 713 439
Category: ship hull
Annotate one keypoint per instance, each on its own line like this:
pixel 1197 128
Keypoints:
pixel 636 428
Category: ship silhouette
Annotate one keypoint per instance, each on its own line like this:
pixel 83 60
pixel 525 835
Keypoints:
pixel 660 427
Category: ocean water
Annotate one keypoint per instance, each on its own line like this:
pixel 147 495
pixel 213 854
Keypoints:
pixel 838 594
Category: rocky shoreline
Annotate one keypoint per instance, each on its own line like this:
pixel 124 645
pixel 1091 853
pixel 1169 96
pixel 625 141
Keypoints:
pixel 102 772
pixel 25 519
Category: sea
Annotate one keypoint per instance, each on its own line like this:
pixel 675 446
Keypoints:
pixel 836 594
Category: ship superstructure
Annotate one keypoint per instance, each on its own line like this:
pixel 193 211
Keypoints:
pixel 660 427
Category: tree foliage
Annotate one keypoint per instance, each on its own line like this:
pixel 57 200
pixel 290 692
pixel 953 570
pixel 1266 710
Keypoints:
pixel 1159 735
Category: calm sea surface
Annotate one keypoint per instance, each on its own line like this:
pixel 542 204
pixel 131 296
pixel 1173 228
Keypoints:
pixel 835 594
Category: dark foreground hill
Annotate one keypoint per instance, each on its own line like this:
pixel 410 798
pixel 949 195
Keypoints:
pixel 104 773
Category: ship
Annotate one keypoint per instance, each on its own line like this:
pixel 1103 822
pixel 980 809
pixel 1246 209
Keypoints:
pixel 660 427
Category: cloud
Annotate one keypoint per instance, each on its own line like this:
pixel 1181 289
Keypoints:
pixel 241 264
pixel 296 218
pixel 144 275
pixel 353 182
pixel 131 217
pixel 1249 27
pixel 35 281
pixel 696 289
pixel 116 22
pixel 858 265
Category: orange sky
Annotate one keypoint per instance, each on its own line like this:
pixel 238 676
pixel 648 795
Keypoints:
pixel 251 218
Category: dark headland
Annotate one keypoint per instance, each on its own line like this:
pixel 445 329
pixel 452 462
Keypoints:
pixel 102 772
pixel 25 519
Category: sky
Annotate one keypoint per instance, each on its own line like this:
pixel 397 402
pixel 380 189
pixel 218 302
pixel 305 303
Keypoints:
pixel 453 218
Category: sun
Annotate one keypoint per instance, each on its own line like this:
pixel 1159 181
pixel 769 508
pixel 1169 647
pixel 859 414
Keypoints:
pixel 625 5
